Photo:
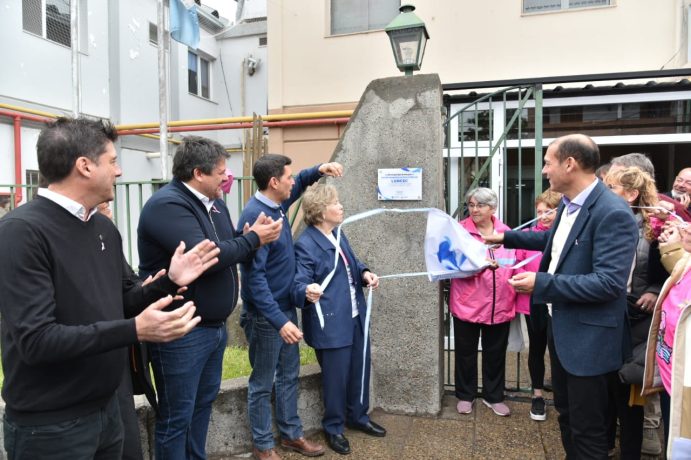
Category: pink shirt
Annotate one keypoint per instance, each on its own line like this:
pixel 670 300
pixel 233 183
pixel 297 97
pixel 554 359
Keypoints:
pixel 677 298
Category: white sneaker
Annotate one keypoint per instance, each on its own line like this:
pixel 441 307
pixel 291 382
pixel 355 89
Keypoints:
pixel 499 408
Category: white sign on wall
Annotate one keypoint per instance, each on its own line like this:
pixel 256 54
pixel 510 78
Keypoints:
pixel 399 184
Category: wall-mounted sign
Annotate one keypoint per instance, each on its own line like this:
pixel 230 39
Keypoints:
pixel 399 184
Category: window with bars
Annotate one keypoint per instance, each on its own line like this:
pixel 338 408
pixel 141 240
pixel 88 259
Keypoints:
pixel 198 75
pixel 350 16
pixel 540 6
pixel 49 19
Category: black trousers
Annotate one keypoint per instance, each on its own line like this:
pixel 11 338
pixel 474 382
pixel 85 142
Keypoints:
pixel 582 406
pixel 132 445
pixel 495 339
pixel 630 421
pixel 537 338
pixel 94 436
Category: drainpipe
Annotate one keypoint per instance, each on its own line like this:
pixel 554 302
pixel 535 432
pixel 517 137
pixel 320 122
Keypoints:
pixel 17 159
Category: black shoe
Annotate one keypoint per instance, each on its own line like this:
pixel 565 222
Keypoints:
pixel 538 409
pixel 370 428
pixel 338 443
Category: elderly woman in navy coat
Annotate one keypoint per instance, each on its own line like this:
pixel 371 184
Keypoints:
pixel 340 345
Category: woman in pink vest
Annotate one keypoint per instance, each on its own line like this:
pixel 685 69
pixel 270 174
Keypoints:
pixel 483 304
pixel 536 316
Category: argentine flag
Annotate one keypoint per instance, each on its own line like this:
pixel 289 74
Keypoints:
pixel 184 23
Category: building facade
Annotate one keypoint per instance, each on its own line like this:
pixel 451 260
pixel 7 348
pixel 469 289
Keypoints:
pixel 489 41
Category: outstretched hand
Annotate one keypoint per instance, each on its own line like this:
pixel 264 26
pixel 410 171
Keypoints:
pixel 154 325
pixel 185 267
pixel 523 283
pixel 332 169
pixel 497 238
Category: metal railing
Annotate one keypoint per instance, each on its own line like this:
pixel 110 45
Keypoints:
pixel 130 198
pixel 483 127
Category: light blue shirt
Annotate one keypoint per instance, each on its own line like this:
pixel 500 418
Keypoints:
pixel 577 203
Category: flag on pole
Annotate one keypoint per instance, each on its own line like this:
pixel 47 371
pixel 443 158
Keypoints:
pixel 450 251
pixel 184 23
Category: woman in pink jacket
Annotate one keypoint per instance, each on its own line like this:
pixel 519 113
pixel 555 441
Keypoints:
pixel 483 304
pixel 536 316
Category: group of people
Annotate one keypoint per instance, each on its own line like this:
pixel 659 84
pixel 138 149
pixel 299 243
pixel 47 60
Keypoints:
pixel 71 304
pixel 598 268
pixel 604 285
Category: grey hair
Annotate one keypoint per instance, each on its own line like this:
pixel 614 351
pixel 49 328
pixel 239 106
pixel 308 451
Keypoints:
pixel 482 195
pixel 640 160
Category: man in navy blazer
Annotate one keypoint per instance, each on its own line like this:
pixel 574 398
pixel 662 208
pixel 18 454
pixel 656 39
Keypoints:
pixel 583 275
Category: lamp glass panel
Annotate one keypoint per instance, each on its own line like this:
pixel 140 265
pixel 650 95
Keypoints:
pixel 406 43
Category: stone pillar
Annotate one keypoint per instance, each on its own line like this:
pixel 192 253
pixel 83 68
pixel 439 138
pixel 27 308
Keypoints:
pixel 398 123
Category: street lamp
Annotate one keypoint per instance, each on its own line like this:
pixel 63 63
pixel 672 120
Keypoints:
pixel 408 36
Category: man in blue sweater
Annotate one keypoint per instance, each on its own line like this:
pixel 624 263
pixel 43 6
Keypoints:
pixel 188 370
pixel 269 318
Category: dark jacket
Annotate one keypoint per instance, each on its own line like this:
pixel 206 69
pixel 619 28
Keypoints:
pixel 315 256
pixel 174 214
pixel 588 288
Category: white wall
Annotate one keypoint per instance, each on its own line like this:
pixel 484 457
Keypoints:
pixel 38 70
pixel 234 51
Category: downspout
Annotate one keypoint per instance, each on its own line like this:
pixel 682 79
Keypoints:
pixel 17 160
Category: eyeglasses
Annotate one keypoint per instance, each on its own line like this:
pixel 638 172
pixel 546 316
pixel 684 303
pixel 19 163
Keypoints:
pixel 613 186
pixel 680 180
pixel 477 205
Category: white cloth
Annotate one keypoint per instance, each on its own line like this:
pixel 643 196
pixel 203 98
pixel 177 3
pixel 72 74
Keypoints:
pixel 351 281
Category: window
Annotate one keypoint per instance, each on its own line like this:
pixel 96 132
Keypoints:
pixel 540 6
pixel 348 16
pixel 198 78
pixel 262 41
pixel 48 19
pixel 33 182
pixel 153 33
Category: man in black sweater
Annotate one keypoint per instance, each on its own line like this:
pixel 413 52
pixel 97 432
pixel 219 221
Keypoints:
pixel 64 299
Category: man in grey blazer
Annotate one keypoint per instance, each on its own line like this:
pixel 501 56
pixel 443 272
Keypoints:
pixel 583 275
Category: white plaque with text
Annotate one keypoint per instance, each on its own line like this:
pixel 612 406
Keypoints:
pixel 399 184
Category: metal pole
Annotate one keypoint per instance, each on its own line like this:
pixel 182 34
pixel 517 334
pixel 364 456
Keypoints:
pixel 538 139
pixel 74 43
pixel 162 89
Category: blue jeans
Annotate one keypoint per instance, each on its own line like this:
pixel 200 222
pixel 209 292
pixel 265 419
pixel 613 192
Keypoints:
pixel 188 376
pixel 271 357
pixel 93 436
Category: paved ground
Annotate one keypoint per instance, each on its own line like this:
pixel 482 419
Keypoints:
pixel 451 436
pixel 480 435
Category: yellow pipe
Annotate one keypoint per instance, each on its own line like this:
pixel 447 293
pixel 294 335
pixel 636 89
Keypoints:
pixel 218 121
pixel 153 136
pixel 207 121
pixel 17 108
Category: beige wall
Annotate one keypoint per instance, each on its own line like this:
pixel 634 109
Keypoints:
pixel 469 41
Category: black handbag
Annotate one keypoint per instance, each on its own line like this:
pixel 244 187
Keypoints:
pixel 140 372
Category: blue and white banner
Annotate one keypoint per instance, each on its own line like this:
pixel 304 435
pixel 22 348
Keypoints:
pixel 450 251
pixel 184 23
